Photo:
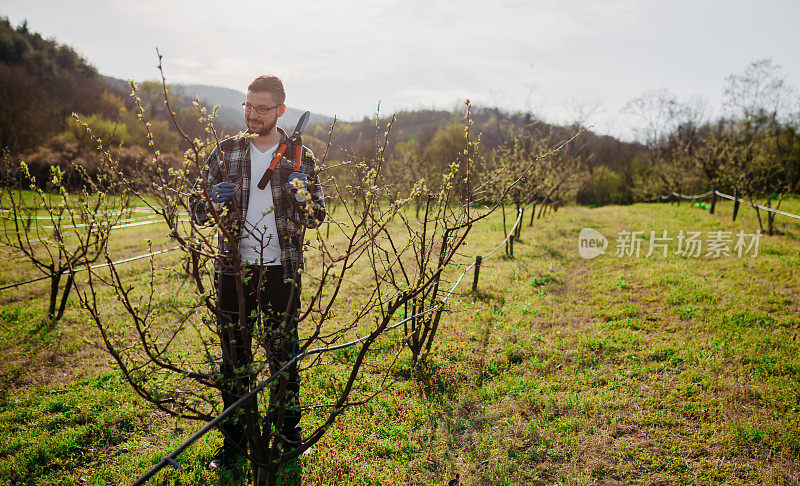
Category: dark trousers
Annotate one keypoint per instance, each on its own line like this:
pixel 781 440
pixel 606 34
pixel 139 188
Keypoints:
pixel 265 294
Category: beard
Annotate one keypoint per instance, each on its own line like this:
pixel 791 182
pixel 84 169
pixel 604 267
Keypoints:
pixel 264 130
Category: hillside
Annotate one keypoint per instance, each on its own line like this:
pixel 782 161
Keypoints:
pixel 230 102
pixel 229 115
pixel 496 128
pixel 41 82
pixel 418 126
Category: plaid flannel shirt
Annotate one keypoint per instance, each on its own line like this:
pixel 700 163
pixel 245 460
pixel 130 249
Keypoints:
pixel 230 162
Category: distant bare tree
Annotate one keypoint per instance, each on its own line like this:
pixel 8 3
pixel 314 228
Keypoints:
pixel 760 92
pixel 584 110
pixel 660 111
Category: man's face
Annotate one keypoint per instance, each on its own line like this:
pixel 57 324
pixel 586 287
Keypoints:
pixel 256 122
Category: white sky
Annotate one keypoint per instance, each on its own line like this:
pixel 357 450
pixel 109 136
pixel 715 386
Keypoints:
pixel 344 57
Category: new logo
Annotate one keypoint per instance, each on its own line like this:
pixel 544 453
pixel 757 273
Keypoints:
pixel 591 243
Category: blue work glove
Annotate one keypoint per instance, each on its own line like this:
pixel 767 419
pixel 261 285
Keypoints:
pixel 222 192
pixel 298 186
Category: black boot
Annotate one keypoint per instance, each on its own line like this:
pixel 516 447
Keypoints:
pixel 224 458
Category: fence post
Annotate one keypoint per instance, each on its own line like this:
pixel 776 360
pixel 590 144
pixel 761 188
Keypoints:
pixel 478 260
pixel 713 200
pixel 735 203
pixel 770 216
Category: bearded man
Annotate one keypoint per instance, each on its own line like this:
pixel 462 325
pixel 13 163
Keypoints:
pixel 260 251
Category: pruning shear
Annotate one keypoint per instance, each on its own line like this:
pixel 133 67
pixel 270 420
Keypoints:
pixel 295 140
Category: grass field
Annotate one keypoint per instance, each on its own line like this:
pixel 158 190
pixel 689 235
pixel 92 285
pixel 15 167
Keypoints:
pixel 560 370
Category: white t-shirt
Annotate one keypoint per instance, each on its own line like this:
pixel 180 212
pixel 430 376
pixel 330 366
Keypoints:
pixel 259 243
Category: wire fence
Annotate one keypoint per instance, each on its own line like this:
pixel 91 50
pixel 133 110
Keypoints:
pixel 721 194
pixel 101 265
pixel 124 223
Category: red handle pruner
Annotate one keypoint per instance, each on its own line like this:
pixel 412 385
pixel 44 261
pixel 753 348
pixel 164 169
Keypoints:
pixel 298 151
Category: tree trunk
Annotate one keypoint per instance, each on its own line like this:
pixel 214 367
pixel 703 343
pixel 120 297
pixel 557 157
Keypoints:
pixel 65 295
pixel 735 204
pixel 758 215
pixel 55 279
pixel 713 200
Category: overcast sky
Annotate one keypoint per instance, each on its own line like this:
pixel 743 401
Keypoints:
pixel 344 57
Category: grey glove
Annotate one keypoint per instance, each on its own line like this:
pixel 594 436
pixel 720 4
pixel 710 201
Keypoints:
pixel 222 192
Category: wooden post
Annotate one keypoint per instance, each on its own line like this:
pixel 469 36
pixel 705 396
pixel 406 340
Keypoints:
pixel 505 228
pixel 477 272
pixel 770 216
pixel 735 204
pixel 713 200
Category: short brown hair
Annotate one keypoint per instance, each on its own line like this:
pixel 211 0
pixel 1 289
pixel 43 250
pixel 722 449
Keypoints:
pixel 269 84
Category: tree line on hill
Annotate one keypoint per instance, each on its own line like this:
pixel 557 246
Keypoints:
pixel 44 82
pixel 422 143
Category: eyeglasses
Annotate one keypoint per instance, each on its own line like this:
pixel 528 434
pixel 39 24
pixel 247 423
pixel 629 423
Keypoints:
pixel 261 110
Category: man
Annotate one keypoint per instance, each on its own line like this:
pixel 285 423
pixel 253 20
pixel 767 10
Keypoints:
pixel 260 253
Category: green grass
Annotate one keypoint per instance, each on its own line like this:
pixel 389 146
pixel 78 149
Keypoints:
pixel 559 371
pixel 58 429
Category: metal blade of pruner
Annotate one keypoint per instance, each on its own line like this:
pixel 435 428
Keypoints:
pixel 301 124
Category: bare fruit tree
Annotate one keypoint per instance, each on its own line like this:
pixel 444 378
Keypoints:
pixel 380 268
pixel 62 224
